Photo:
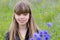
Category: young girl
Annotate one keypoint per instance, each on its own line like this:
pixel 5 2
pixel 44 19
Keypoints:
pixel 23 25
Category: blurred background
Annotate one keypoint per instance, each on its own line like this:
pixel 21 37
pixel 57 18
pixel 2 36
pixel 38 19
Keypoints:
pixel 46 14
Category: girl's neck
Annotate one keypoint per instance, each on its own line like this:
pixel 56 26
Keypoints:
pixel 22 27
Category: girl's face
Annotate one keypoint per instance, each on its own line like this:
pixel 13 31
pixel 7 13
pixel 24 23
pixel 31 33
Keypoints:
pixel 22 19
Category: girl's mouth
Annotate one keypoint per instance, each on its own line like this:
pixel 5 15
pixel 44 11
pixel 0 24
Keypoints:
pixel 21 21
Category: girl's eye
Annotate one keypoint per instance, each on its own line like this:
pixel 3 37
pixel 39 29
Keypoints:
pixel 18 13
pixel 22 13
pixel 25 13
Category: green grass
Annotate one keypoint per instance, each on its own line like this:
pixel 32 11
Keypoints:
pixel 43 11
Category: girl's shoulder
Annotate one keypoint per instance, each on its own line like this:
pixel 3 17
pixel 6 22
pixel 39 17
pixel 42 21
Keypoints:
pixel 6 35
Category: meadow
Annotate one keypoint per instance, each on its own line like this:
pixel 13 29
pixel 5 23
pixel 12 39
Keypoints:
pixel 46 14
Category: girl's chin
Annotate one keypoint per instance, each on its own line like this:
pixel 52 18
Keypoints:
pixel 22 23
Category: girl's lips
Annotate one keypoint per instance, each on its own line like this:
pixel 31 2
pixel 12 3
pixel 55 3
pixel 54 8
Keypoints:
pixel 21 21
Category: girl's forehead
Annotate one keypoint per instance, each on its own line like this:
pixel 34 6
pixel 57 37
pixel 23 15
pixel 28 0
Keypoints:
pixel 22 12
pixel 22 8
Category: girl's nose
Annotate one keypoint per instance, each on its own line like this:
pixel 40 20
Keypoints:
pixel 22 16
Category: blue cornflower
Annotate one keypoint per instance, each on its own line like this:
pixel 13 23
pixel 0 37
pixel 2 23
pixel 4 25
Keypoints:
pixel 36 36
pixel 49 24
pixel 31 39
pixel 45 32
pixel 46 35
pixel 41 33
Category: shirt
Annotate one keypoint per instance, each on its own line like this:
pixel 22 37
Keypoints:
pixel 6 37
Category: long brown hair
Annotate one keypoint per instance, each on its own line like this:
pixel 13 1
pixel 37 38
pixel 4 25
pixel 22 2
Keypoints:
pixel 22 7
